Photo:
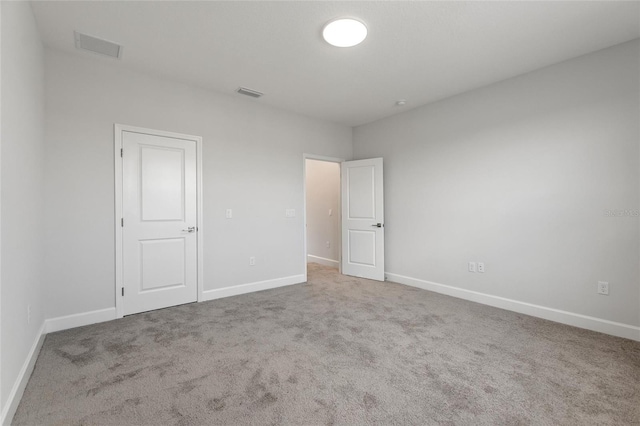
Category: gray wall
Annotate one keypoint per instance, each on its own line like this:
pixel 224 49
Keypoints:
pixel 518 175
pixel 323 194
pixel 22 169
pixel 252 163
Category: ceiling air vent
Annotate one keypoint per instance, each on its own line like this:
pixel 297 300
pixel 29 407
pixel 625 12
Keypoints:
pixel 97 45
pixel 249 92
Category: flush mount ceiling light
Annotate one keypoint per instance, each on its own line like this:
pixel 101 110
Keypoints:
pixel 344 32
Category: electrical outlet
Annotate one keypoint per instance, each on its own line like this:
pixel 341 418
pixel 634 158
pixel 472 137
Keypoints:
pixel 481 267
pixel 472 266
pixel 603 288
pixel 290 213
pixel 252 261
pixel 330 212
pixel 28 314
pixel 328 244
pixel 229 214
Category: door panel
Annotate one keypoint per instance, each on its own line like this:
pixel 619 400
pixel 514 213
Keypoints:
pixel 159 242
pixel 162 183
pixel 163 264
pixel 363 219
pixel 361 193
pixel 362 247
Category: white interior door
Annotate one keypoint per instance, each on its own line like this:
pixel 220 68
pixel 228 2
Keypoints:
pixel 159 205
pixel 363 219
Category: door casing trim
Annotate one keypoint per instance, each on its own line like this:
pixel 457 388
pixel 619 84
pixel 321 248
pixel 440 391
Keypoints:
pixel 117 146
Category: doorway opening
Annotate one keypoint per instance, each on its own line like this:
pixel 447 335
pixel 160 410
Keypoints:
pixel 344 215
pixel 322 211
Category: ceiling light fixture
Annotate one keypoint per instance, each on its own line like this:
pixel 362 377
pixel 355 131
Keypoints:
pixel 401 102
pixel 344 32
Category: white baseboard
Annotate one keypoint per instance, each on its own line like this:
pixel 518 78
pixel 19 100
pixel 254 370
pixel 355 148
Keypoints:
pixel 78 320
pixel 323 261
pixel 219 293
pixel 557 315
pixel 9 410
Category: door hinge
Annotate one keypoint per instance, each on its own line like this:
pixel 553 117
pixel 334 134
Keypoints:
pixel 121 152
pixel 122 221
pixel 123 291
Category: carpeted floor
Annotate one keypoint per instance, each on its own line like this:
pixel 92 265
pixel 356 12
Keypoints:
pixel 338 350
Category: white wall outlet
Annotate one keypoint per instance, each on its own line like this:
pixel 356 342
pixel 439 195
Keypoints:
pixel 481 267
pixel 472 266
pixel 28 314
pixel 603 288
pixel 252 261
pixel 330 212
pixel 290 213
pixel 328 244
pixel 229 214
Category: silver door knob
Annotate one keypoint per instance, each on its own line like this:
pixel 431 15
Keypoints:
pixel 377 225
pixel 190 229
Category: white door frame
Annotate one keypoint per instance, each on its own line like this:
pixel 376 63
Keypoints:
pixel 306 157
pixel 118 129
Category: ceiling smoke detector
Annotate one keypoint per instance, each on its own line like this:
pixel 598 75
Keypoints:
pixel 249 92
pixel 97 45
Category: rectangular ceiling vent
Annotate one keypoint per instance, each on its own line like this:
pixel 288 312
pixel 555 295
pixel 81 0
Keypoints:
pixel 249 92
pixel 97 45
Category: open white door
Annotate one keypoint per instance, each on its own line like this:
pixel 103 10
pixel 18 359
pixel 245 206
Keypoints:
pixel 363 219
pixel 159 208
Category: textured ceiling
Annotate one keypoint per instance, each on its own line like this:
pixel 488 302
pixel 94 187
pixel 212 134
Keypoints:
pixel 418 51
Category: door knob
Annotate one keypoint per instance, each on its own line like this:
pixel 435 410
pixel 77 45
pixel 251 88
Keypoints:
pixel 377 225
pixel 190 229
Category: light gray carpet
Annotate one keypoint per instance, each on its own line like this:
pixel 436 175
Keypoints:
pixel 338 350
